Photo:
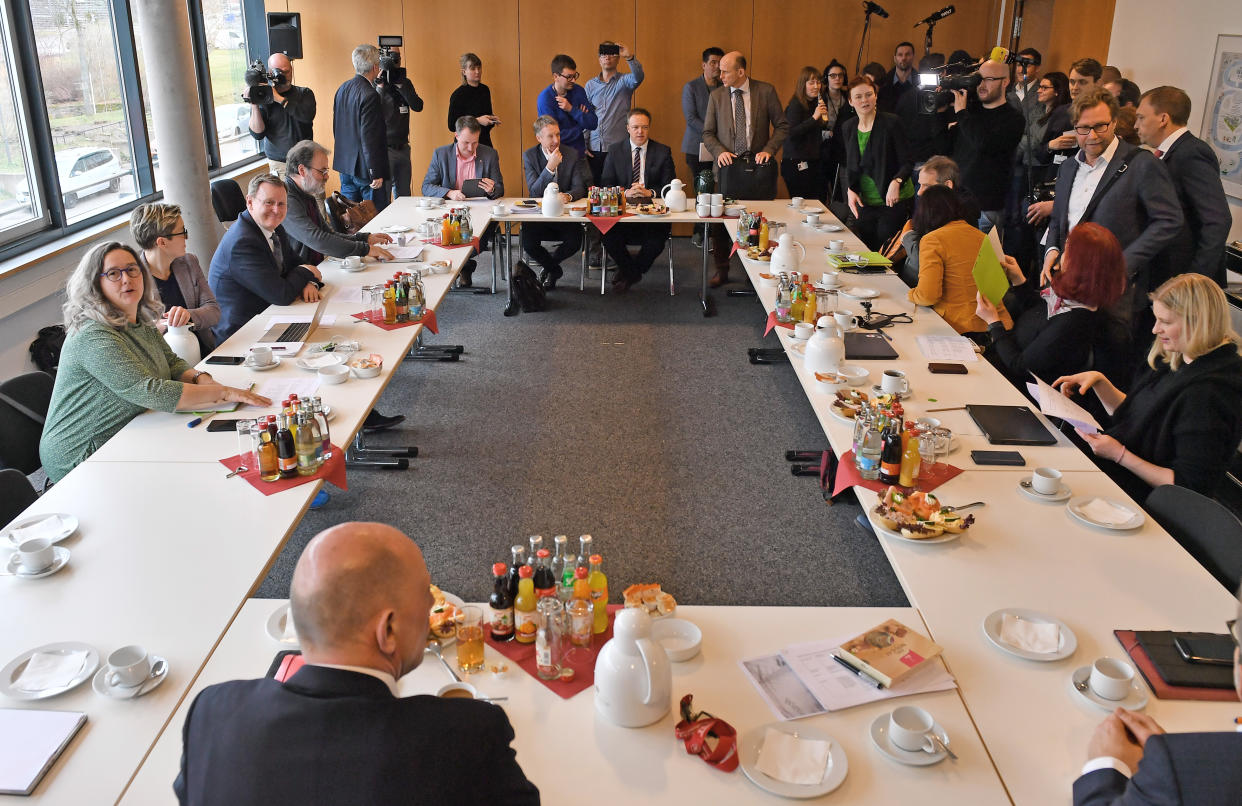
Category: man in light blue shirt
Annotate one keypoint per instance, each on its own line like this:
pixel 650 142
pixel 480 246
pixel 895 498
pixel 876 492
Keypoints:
pixel 611 93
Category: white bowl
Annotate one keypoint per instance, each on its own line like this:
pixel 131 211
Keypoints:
pixel 854 375
pixel 367 372
pixel 337 373
pixel 770 283
pixel 680 638
pixel 577 212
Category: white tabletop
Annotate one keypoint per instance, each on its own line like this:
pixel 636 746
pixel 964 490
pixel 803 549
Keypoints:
pixel 566 749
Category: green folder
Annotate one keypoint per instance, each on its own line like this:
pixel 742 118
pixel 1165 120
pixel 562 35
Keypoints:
pixel 989 275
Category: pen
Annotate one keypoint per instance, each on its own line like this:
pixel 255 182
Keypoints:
pixel 865 678
pixel 197 420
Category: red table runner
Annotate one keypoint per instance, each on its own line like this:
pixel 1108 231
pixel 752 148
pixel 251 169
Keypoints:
pixel 773 322
pixel 930 476
pixel 580 659
pixel 604 223
pixel 428 320
pixel 474 243
pixel 333 470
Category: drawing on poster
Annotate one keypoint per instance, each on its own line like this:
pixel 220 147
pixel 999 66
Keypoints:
pixel 1222 118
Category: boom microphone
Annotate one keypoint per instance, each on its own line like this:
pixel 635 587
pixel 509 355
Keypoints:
pixel 874 8
pixel 937 17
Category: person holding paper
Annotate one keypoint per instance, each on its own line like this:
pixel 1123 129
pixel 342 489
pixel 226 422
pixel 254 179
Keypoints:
pixel 948 249
pixel 1059 337
pixel 1181 422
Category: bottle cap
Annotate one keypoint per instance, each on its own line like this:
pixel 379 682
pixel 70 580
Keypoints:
pixel 580 573
pixel 526 572
pixel 543 553
pixel 596 559
pixel 498 569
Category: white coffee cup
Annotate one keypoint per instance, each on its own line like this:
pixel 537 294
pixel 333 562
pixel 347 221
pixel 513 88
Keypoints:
pixel 909 727
pixel 498 209
pixel 352 262
pixel 36 554
pixel 703 198
pixel 424 202
pixel 129 666
pixel 717 198
pixel 457 688
pixel 796 202
pixel 717 210
pixel 831 279
pixel 704 210
pixel 1046 480
pixel 261 355
pixel 803 330
pixel 836 245
pixel 893 382
pixel 812 219
pixel 1111 678
pixel 845 320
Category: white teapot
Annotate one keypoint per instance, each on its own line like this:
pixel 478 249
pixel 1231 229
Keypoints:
pixel 552 204
pixel 825 350
pixel 633 677
pixel 674 196
pixel 783 255
pixel 183 343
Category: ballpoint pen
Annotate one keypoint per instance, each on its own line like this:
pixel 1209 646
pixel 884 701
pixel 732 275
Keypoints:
pixel 863 677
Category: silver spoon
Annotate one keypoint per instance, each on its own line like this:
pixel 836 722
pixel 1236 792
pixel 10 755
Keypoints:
pixel 1081 685
pixel 938 742
pixel 967 506
pixel 434 648
pixel 240 469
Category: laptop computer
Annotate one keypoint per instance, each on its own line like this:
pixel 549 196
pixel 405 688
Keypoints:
pixel 1010 425
pixel 288 338
pixel 868 346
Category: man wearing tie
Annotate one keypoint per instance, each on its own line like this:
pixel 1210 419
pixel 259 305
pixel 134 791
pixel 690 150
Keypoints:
pixel 548 162
pixel 641 166
pixel 1195 171
pixel 744 116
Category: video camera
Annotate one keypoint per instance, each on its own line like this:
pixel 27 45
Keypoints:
pixel 391 71
pixel 936 89
pixel 259 83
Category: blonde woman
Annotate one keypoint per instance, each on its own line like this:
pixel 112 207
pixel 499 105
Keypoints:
pixel 115 364
pixel 160 232
pixel 1181 423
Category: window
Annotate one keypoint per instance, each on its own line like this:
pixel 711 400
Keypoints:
pixel 226 62
pixel 21 209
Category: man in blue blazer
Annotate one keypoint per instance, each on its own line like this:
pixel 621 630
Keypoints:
pixel 643 167
pixel 1133 762
pixel 361 140
pixel 543 164
pixel 256 263
pixel 455 164
pixel 338 730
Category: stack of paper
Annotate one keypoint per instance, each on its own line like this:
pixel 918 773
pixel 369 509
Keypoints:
pixel 1054 404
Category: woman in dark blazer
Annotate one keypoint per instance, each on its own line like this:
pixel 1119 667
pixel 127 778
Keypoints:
pixel 810 123
pixel 878 161
pixel 160 231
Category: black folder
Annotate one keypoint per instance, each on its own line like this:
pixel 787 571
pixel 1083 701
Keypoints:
pixel 868 346
pixel 1010 425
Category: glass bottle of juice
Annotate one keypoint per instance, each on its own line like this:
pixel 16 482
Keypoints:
pixel 763 235
pixel 501 605
pixel 390 304
pixel 446 231
pixel 549 638
pixel 545 583
pixel 269 463
pixel 524 607
pixel 558 562
pixel 599 594
pixel 911 462
pixel 584 553
pixel 519 560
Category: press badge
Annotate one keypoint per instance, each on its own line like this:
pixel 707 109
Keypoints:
pixel 405 110
pixel 802 166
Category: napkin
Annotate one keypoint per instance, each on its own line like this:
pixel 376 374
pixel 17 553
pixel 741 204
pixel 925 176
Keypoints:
pixel 326 360
pixel 48 670
pixel 1030 635
pixel 49 527
pixel 793 759
pixel 1101 511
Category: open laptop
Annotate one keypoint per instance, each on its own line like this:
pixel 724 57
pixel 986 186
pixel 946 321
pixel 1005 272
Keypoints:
pixel 288 338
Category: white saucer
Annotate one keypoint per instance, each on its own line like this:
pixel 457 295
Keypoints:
pixel 397 229
pixel 992 629
pixel 1136 700
pixel 68 525
pixel 1061 495
pixel 13 566
pixel 877 390
pixel 314 364
pixel 831 228
pixel 262 367
pixel 915 758
pixel 944 538
pixel 859 293
pixel 276 626
pixel 798 348
pixel 752 742
pixel 14 668
pixel 1074 508
pixel 102 688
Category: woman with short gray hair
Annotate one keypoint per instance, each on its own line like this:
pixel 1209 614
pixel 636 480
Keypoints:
pixel 115 364
pixel 161 233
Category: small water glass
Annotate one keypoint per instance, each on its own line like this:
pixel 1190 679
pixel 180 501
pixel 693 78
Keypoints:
pixel 246 449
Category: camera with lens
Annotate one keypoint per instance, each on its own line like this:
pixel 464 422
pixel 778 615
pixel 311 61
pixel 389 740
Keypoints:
pixel 391 71
pixel 936 89
pixel 259 83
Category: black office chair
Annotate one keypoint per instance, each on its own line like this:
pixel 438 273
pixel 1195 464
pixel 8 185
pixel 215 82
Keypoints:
pixel 227 200
pixel 23 406
pixel 1204 527
pixel 16 493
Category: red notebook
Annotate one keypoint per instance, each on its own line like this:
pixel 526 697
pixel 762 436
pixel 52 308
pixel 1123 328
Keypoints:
pixel 1129 642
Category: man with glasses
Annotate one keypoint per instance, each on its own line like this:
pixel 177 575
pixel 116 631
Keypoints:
pixel 694 95
pixel 1132 761
pixel 568 104
pixel 984 142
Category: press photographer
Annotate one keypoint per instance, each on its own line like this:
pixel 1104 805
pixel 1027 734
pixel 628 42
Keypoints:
pixel 985 136
pixel 399 99
pixel 281 114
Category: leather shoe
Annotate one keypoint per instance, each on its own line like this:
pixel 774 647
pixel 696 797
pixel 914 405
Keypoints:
pixel 718 279
pixel 467 272
pixel 549 278
pixel 379 422
pixel 622 284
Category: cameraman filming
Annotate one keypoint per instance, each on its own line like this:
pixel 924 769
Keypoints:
pixel 280 113
pixel 398 98
pixel 984 141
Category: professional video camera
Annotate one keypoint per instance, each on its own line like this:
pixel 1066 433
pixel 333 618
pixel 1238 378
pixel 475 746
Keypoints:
pixel 936 89
pixel 259 83
pixel 391 71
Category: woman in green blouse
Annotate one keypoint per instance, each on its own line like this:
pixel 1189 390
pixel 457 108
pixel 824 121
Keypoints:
pixel 878 160
pixel 115 364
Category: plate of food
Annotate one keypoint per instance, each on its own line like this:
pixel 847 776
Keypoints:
pixel 917 517
pixel 650 598
pixel 755 253
pixel 848 404
pixel 650 210
pixel 445 612
pixel 526 204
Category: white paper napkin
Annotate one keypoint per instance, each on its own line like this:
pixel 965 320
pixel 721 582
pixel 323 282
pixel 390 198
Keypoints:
pixel 326 360
pixel 46 670
pixel 1101 511
pixel 49 527
pixel 793 759
pixel 1029 635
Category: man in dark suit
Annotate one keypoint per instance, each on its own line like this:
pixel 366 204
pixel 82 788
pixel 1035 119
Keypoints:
pixel 361 141
pixel 744 116
pixel 1133 762
pixel 1195 171
pixel 256 263
pixel 543 164
pixel 641 166
pixel 338 731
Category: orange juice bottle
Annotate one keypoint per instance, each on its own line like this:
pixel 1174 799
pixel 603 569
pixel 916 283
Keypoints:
pixel 446 231
pixel 524 623
pixel 599 594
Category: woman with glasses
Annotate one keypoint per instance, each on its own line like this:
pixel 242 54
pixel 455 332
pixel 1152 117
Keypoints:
pixel 838 102
pixel 115 364
pixel 160 232
pixel 810 125
pixel 1051 94
pixel 472 98
pixel 877 158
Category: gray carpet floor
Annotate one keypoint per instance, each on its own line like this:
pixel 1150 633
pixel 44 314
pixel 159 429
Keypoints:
pixel 632 418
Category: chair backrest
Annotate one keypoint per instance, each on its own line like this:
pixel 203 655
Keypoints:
pixel 227 200
pixel 1204 527
pixel 16 493
pixel 23 405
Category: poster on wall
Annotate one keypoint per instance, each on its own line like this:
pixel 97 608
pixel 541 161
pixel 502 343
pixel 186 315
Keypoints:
pixel 1222 119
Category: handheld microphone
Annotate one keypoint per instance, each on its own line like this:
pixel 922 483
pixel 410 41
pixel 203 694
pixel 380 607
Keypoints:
pixel 874 8
pixel 939 15
pixel 999 54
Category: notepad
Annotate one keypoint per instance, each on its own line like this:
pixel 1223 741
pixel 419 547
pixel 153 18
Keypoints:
pixel 989 275
pixel 30 741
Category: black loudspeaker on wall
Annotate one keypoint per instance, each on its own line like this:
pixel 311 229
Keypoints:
pixel 284 34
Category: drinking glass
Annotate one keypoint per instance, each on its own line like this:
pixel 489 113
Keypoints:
pixel 247 437
pixel 470 639
pixel 373 298
pixel 944 440
pixel 927 447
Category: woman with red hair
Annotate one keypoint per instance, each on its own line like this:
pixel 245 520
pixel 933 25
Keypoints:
pixel 1059 337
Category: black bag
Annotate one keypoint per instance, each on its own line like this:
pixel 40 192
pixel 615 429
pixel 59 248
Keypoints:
pixel 45 349
pixel 746 179
pixel 527 290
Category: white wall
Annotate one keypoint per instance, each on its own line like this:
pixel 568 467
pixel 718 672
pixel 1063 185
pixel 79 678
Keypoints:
pixel 1156 42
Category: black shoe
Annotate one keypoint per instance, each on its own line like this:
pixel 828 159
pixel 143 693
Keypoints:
pixel 548 278
pixel 467 272
pixel 378 422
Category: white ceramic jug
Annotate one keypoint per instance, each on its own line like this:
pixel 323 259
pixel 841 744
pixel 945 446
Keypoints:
pixel 183 343
pixel 633 677
pixel 825 351
pixel 552 204
pixel 674 196
pixel 783 258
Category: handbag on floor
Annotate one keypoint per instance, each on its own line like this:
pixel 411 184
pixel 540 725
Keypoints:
pixel 527 291
pixel 746 179
pixel 350 216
